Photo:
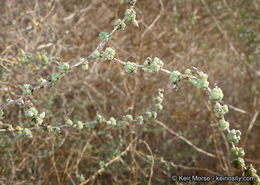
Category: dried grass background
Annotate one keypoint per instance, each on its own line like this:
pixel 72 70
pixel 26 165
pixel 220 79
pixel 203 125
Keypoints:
pixel 219 37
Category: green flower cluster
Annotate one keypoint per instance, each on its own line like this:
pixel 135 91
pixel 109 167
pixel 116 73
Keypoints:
pixel 104 36
pixel 1 112
pixel 224 125
pixel 130 67
pixel 250 171
pixel 128 118
pixel 27 133
pixel 175 76
pixel 201 82
pixel 100 119
pixel 112 121
pixel 85 64
pixel 131 2
pixel 55 77
pixel 152 66
pixel 140 120
pixel 234 136
pixel 108 54
pixel 96 54
pixel 27 89
pixel 220 110
pixel 119 24
pixel 239 163
pixel 237 152
pixel 130 15
pixel 69 123
pixel 64 67
pixel 36 119
pixel 216 94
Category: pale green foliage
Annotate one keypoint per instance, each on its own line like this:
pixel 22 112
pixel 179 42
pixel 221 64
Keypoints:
pixel 100 118
pixel 64 67
pixel 130 67
pixel 108 54
pixel 112 121
pixel 27 90
pixel 119 24
pixel 234 136
pixel 237 152
pixel 55 77
pixel 130 14
pixel 96 54
pixel 69 123
pixel 140 120
pixel 216 94
pixel 128 118
pixel 104 36
pixel 220 110
pixel 152 66
pixel 85 65
pixel 175 76
pixel 27 133
pixel 224 125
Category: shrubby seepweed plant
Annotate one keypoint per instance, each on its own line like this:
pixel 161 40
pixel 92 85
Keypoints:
pixel 151 66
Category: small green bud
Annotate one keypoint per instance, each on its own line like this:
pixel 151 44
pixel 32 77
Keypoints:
pixel 154 114
pixel 27 90
pixel 112 121
pixel 158 106
pixel 69 123
pixel 39 121
pixel 79 125
pixel 64 68
pixel 234 136
pixel 130 67
pixel 96 55
pixel 104 36
pixel 140 120
pixel 57 130
pixel 22 53
pixel 128 118
pixel 158 99
pixel 42 115
pixel 223 124
pixel 220 110
pixel 152 66
pixel 131 2
pixel 216 94
pixel 85 66
pixel 100 119
pixel 49 129
pixel 130 15
pixel 203 76
pixel 119 24
pixel 1 112
pixel 239 163
pixel 108 54
pixel 44 60
pixel 175 76
pixel 32 112
pixel 202 84
pixel 55 77
pixel 42 80
pixel 237 152
pixel 187 72
pixel 81 178
pixel 27 133
pixel 149 115
pixel 18 129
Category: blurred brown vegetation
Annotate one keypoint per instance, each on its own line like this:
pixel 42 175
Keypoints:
pixel 219 37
